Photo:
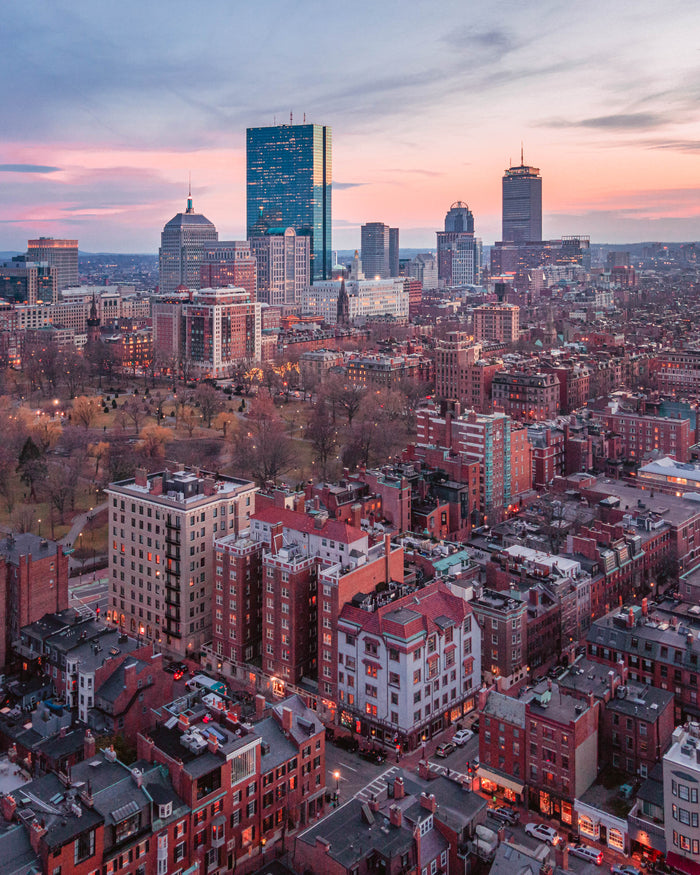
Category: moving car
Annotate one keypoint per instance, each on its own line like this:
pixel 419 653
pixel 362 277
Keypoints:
pixel 624 869
pixel 462 736
pixel 445 749
pixel 504 814
pixel 584 852
pixel 543 833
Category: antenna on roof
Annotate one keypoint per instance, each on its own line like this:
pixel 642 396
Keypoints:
pixel 291 118
pixel 304 118
pixel 522 161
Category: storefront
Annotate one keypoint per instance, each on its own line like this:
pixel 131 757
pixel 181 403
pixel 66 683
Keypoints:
pixel 500 786
pixel 603 827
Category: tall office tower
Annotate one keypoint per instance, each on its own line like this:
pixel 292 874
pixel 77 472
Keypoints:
pixel 393 252
pixel 61 254
pixel 157 590
pixel 181 249
pixel 459 251
pixel 289 175
pixel 222 327
pixel 229 263
pixel 283 265
pixel 380 250
pixel 23 281
pixel 522 204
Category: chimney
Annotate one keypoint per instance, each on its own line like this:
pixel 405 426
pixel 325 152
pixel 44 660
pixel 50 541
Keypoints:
pixel 374 804
pixel 612 682
pixel 62 732
pixel 276 538
pixel 428 802
pixel 259 706
pixel 287 719
pixel 183 723
pixel 645 607
pixel 395 815
pixel 213 743
pixel 323 844
pixel 8 806
pixel 399 789
pixel 141 477
pixel 356 515
pixel 622 670
pixel 36 831
pixel 387 555
pixel 630 618
pixel 88 745
pixel 209 486
pixel 157 485
pixel 137 775
pixel 482 698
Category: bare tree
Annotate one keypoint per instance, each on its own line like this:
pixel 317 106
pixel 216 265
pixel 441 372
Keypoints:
pixel 263 449
pixel 209 402
pixel 190 418
pixel 59 486
pixel 84 411
pixel 322 435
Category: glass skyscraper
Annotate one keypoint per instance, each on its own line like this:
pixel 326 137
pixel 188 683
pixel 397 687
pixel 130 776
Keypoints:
pixel 288 180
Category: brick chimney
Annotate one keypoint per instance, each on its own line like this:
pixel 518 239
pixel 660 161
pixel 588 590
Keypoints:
pixel 323 844
pixel 88 745
pixel 395 815
pixel 399 789
pixel 630 618
pixel 276 538
pixel 209 486
pixel 140 477
pixel 622 670
pixel 356 515
pixel 36 831
pixel 429 802
pixel 482 697
pixel 157 486
pixel 213 743
pixel 8 806
pixel 287 719
pixel 259 706
pixel 387 555
pixel 374 804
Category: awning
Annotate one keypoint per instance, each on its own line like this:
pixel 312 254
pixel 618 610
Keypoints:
pixel 682 864
pixel 503 781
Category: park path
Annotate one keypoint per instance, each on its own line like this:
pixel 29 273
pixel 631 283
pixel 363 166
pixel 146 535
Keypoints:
pixel 79 522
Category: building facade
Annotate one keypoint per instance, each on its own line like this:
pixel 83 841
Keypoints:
pixel 181 250
pixel 458 251
pixel 288 185
pixel 161 532
pixel 367 299
pixel 62 255
pixel 379 250
pixel 497 322
pixel 522 204
pixel 229 263
pixel 283 266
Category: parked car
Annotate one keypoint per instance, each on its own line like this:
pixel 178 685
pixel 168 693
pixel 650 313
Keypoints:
pixel 373 756
pixel 624 869
pixel 445 749
pixel 543 833
pixel 462 736
pixel 346 742
pixel 504 815
pixel 584 852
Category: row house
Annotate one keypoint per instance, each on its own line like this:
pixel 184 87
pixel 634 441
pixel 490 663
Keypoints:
pixel 636 721
pixel 557 747
pixel 503 621
pixel 656 651
pixel 547 453
pixel 408 669
pixel 525 396
pixel 642 435
pixel 409 826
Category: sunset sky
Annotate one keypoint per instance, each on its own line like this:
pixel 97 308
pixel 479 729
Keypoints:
pixel 107 107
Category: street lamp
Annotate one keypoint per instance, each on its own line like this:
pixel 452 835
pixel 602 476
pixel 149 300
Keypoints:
pixel 336 775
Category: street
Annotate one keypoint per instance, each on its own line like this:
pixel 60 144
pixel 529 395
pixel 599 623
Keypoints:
pixel 90 591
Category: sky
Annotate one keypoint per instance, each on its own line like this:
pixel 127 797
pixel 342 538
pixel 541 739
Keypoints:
pixel 107 107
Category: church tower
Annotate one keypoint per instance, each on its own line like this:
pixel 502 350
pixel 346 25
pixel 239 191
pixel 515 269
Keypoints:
pixel 92 324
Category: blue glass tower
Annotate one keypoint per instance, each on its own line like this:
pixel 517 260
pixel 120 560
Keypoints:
pixel 288 185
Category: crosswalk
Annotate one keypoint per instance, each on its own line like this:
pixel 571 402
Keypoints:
pixel 443 770
pixel 379 784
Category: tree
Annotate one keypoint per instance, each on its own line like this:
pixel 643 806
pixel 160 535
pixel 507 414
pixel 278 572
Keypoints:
pixel 99 453
pixel 74 370
pixel 132 409
pixel 263 449
pixel 31 466
pixel 347 397
pixel 190 418
pixel 84 411
pixel 208 400
pixel 224 421
pixel 59 486
pixel 322 435
pixel 8 465
pixel 153 439
pixel 47 432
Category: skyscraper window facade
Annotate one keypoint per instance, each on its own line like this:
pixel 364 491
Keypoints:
pixel 289 176
pixel 522 204
pixel 181 250
pixel 459 251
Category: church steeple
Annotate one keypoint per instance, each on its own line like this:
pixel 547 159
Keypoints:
pixel 343 307
pixel 93 323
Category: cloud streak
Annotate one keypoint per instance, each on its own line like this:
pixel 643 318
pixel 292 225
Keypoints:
pixel 28 168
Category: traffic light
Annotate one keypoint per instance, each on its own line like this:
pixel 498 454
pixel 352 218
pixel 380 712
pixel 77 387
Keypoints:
pixel 97 611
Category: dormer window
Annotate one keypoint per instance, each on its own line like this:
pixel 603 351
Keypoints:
pixel 165 810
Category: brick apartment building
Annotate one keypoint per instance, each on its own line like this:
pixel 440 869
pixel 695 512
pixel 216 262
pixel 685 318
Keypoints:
pixel 161 531
pixel 499 445
pixel 463 373
pixel 642 435
pixel 526 397
pixel 678 373
pixel 503 621
pixel 548 454
pixel 408 668
pixel 541 748
pixel 497 322
pixel 33 582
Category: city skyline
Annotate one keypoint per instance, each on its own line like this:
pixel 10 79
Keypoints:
pixel 102 127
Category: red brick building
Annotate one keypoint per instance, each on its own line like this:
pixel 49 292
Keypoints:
pixel 642 435
pixel 526 397
pixel 33 582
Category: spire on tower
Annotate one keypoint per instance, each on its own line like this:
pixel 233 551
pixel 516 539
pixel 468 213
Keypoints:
pixel 522 160
pixel 190 208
